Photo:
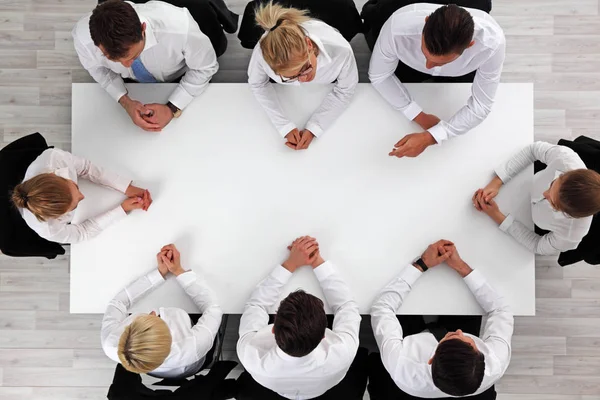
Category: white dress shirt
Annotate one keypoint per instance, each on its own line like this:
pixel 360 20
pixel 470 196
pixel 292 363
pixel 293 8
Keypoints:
pixel 335 62
pixel 174 46
pixel 69 166
pixel 190 343
pixel 565 232
pixel 407 359
pixel 400 39
pixel 299 377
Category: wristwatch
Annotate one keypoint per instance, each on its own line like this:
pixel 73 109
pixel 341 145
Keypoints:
pixel 176 111
pixel 421 264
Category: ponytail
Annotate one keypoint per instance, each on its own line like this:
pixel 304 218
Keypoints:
pixel 579 193
pixel 47 196
pixel 284 46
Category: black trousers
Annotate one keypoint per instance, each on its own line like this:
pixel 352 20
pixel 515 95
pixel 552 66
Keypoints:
pixel 408 75
pixel 352 387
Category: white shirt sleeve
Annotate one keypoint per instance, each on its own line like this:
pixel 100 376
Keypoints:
pixel 101 176
pixel 499 325
pixel 479 105
pixel 546 245
pixel 60 232
pixel 207 327
pixel 118 308
pixel 382 67
pixel 256 311
pixel 265 94
pixel 336 102
pixel 109 80
pixel 201 59
pixel 387 329
pixel 346 320
pixel 563 157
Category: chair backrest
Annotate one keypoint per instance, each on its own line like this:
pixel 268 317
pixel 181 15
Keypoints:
pixel 17 239
pixel 340 14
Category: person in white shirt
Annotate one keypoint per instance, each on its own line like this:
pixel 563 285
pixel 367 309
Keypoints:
pixel 431 364
pixel 150 42
pixel 298 357
pixel 164 344
pixel 564 198
pixel 49 194
pixel 298 50
pixel 446 41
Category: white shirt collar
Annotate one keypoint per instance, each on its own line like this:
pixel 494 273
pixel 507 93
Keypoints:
pixel 149 33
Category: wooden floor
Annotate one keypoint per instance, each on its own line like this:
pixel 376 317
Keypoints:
pixel 45 353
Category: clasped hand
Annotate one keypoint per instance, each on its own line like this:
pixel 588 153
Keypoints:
pixel 137 199
pixel 299 140
pixel 483 200
pixel 169 260
pixel 445 251
pixel 150 117
pixel 303 251
pixel 414 144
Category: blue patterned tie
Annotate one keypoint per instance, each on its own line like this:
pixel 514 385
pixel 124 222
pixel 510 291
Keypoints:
pixel 141 73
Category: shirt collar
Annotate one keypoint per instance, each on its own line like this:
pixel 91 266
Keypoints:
pixel 149 32
pixel 289 358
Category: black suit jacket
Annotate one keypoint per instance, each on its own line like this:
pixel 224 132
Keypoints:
pixel 17 239
pixel 340 14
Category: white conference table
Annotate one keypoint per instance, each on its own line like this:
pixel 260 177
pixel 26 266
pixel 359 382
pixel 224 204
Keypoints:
pixel 232 196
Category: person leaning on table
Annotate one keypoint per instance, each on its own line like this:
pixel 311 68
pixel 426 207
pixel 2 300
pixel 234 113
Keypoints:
pixel 299 357
pixel 429 41
pixel 151 42
pixel 297 50
pixel 164 343
pixel 431 364
pixel 49 194
pixel 564 198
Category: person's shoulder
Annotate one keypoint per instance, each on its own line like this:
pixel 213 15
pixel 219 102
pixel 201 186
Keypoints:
pixel 488 31
pixel 81 31
pixel 164 17
pixel 410 20
pixel 327 34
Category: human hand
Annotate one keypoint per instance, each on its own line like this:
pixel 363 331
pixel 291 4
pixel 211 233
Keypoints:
pixel 454 260
pixel 161 114
pixel 489 207
pixel 162 267
pixel 426 121
pixel 134 191
pixel 293 138
pixel 137 111
pixel 412 145
pixel 306 138
pixel 303 251
pixel 432 256
pixel 133 203
pixel 492 188
pixel 315 258
pixel 172 259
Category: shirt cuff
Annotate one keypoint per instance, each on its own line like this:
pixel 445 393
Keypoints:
pixel 508 221
pixel 502 174
pixel 187 278
pixel 155 277
pixel 474 280
pixel 412 110
pixel 281 274
pixel 286 129
pixel 314 128
pixel 438 132
pixel 180 98
pixel 121 183
pixel 324 270
pixel 410 275
pixel 116 89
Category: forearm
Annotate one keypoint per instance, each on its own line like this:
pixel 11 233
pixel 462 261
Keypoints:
pixel 542 245
pixel 330 109
pixel 88 229
pixel 267 98
pixel 192 85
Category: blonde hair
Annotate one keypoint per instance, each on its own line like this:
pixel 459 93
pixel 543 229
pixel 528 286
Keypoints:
pixel 47 196
pixel 284 46
pixel 144 344
pixel 579 193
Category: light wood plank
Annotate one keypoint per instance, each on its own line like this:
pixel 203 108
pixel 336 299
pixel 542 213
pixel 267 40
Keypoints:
pixel 28 301
pixel 545 7
pixel 560 288
pixel 576 365
pixel 526 24
pixel 53 320
pixel 583 271
pixel 17 59
pixel 32 40
pixel 58 59
pixel 19 96
pixel 11 21
pixel 52 133
pixel 51 21
pixel 92 358
pixel 574 308
pixel 40 339
pixel 556 384
pixel 576 24
pixel 98 377
pixel 55 96
pixel 575 63
pixel 584 346
pixel 41 358
pixel 586 288
pixel 38 282
pixel 518 63
pixel 39 114
pixel 569 100
pixel 17 319
pixel 549 117
pixel 540 345
pixel 531 365
pixel 34 77
pixel 572 327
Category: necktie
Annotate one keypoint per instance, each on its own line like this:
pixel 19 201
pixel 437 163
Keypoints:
pixel 141 73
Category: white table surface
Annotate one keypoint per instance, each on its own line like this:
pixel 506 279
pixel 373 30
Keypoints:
pixel 231 196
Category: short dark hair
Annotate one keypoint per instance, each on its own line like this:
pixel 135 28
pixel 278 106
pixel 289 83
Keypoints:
pixel 300 324
pixel 457 368
pixel 579 193
pixel 116 26
pixel 449 29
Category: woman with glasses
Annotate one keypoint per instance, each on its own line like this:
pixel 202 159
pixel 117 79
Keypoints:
pixel 295 50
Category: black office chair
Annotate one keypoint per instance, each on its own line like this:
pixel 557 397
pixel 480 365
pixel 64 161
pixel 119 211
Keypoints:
pixel 17 239
pixel 375 13
pixel 340 14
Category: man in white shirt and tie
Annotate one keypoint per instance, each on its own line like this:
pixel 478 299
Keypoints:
pixel 431 364
pixel 299 357
pixel 423 41
pixel 151 42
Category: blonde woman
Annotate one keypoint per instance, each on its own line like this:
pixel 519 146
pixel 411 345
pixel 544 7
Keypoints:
pixel 565 196
pixel 163 343
pixel 295 50
pixel 49 194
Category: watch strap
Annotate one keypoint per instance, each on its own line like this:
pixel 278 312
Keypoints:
pixel 176 111
pixel 422 264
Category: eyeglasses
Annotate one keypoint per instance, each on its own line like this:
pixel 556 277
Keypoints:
pixel 306 69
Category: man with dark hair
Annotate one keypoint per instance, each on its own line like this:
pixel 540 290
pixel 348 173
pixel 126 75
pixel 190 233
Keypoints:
pixel 422 42
pixel 298 357
pixel 439 360
pixel 151 42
